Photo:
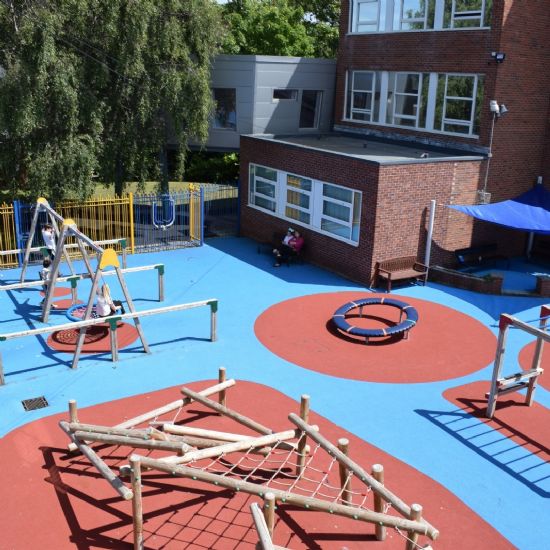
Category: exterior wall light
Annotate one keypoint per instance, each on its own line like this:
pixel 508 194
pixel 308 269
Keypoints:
pixel 499 57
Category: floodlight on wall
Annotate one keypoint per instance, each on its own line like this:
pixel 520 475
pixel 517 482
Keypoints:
pixel 499 57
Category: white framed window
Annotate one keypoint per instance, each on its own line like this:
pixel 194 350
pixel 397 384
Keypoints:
pixel 298 205
pixel 404 99
pixel 361 95
pixel 467 13
pixel 310 109
pixel 457 103
pixel 447 103
pixel 225 114
pixel 327 208
pixel 341 211
pixel 263 187
pixel 366 15
pixel 412 14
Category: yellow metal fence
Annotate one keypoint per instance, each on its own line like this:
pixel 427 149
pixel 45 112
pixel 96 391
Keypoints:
pixel 8 239
pixel 101 219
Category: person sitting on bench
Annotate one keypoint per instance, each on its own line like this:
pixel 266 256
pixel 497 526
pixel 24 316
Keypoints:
pixel 289 249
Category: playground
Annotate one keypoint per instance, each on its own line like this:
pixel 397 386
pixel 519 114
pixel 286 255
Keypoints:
pixel 415 405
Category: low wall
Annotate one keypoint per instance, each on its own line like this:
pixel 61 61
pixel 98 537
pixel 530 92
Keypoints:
pixel 487 285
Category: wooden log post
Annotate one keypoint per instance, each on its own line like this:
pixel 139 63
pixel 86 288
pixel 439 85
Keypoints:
pixel 113 337
pixel 138 443
pixel 261 527
pixel 343 445
pixel 222 394
pixel 269 512
pixel 227 448
pixel 160 271
pixel 412 537
pixel 304 415
pixel 213 319
pixel 73 413
pixel 378 474
pixel 137 504
pixel 240 418
pixel 101 467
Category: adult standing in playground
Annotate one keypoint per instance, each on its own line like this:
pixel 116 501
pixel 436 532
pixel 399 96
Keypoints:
pixel 48 236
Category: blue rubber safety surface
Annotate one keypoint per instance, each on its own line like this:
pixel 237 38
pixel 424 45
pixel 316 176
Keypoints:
pixel 415 424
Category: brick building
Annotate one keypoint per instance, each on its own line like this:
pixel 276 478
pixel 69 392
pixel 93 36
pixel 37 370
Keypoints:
pixel 419 110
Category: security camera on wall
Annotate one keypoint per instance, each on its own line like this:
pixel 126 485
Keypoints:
pixel 493 105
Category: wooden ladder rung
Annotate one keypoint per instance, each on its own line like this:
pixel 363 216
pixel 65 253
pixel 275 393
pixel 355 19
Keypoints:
pixel 518 377
pixel 510 389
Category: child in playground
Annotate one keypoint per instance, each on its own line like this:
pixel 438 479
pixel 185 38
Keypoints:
pixel 105 305
pixel 45 274
pixel 291 247
pixel 48 236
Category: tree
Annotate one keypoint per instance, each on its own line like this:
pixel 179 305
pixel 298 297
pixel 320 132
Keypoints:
pixel 305 28
pixel 99 86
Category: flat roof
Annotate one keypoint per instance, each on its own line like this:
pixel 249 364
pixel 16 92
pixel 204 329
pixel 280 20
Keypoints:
pixel 373 149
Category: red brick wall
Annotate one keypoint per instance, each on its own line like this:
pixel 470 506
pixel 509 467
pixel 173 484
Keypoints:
pixel 519 29
pixel 394 216
pixel 351 261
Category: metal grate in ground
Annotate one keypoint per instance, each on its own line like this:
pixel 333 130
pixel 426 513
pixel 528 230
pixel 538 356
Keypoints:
pixel 34 403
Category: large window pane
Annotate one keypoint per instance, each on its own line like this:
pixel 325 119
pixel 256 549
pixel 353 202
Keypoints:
pixel 336 228
pixel 265 173
pixel 225 115
pixel 338 193
pixel 265 203
pixel 298 215
pixel 265 188
pixel 297 199
pixel 298 182
pixel 336 210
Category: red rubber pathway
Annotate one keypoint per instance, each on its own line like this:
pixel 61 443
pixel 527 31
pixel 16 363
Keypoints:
pixel 526 360
pixel 56 501
pixel 300 330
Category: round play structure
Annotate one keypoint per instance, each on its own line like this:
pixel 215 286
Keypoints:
pixel 76 312
pixel 402 327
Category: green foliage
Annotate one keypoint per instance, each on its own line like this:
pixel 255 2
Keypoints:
pixel 98 87
pixel 305 28
pixel 212 167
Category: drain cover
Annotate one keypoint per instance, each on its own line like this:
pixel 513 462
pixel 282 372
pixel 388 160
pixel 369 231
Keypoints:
pixel 34 403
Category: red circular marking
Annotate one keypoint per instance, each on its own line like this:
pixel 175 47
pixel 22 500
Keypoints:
pixel 526 362
pixel 96 341
pixel 58 291
pixel 444 343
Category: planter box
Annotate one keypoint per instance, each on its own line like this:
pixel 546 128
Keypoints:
pixel 467 281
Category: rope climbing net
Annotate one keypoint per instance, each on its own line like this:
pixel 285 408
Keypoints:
pixel 297 466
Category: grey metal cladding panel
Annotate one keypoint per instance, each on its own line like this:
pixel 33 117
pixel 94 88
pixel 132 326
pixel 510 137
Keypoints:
pixel 223 139
pixel 232 79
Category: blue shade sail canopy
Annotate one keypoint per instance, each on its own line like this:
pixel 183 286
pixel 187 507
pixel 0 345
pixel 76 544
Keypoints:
pixel 528 212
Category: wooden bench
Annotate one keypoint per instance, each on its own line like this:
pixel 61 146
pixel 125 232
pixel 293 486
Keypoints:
pixel 398 269
pixel 478 256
